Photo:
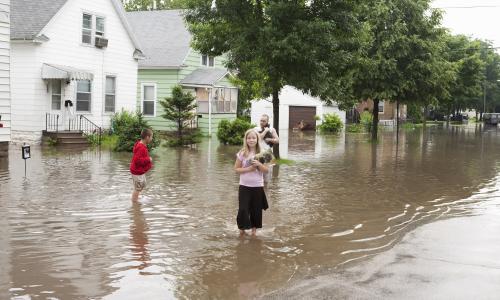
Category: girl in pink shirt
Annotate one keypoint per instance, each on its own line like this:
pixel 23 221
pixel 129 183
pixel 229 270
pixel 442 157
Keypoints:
pixel 251 197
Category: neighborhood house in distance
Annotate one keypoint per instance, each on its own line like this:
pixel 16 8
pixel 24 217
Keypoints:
pixel 169 61
pixel 70 58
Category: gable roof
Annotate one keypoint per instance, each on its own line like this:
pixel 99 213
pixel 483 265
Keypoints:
pixel 29 17
pixel 163 35
pixel 204 76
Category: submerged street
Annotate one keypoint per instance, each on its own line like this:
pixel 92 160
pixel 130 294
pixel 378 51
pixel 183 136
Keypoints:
pixel 348 218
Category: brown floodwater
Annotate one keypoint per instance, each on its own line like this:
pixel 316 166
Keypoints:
pixel 70 231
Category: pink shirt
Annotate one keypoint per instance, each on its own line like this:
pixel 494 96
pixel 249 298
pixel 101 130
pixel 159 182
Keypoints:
pixel 250 179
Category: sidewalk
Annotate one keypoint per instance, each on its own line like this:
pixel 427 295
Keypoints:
pixel 449 259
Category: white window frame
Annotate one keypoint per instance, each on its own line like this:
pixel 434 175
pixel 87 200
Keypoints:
pixel 105 92
pixel 52 94
pixel 153 84
pixel 381 103
pixel 93 30
pixel 208 61
pixel 76 98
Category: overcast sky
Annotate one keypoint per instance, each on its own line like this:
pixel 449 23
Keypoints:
pixel 476 18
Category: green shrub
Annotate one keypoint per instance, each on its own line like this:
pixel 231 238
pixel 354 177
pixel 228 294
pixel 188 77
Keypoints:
pixel 93 139
pixel 232 132
pixel 355 128
pixel 188 138
pixel 415 113
pixel 366 120
pixel 331 124
pixel 127 127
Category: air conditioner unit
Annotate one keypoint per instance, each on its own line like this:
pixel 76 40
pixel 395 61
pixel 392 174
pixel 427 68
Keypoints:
pixel 101 42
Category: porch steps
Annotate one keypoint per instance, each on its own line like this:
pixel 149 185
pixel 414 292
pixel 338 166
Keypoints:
pixel 67 139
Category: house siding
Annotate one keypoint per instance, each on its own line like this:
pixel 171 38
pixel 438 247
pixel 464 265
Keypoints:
pixel 166 79
pixel 389 109
pixel 5 104
pixel 33 98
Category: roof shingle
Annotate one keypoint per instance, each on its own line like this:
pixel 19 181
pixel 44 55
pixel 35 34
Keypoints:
pixel 29 17
pixel 163 35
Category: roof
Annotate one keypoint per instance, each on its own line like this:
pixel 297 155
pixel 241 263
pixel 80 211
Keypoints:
pixel 204 76
pixel 29 17
pixel 163 35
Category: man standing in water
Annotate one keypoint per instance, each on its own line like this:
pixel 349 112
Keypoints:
pixel 268 135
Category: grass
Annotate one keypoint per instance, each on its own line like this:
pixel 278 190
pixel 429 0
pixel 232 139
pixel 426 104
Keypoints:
pixel 284 161
pixel 109 141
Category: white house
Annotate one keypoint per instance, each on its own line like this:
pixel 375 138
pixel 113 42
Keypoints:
pixel 78 50
pixel 295 107
pixel 4 76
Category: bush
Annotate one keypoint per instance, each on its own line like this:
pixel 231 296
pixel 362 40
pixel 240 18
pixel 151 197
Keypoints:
pixel 188 138
pixel 331 124
pixel 127 127
pixel 355 128
pixel 366 120
pixel 415 113
pixel 232 133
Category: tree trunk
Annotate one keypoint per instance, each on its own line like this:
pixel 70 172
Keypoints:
pixel 426 111
pixel 276 119
pixel 375 120
pixel 397 121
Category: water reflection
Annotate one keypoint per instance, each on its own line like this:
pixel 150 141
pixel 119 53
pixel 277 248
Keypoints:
pixel 70 231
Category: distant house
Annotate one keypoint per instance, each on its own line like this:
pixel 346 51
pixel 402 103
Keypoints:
pixel 387 111
pixel 170 61
pixel 70 58
pixel 5 123
pixel 296 109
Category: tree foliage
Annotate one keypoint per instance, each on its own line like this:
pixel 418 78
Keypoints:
pixel 179 109
pixel 307 44
pixel 137 5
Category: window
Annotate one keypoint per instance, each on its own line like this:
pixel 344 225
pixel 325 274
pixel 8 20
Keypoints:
pixel 148 99
pixel 56 95
pixel 83 95
pixel 87 29
pixel 109 101
pixel 99 26
pixel 207 61
pixel 381 107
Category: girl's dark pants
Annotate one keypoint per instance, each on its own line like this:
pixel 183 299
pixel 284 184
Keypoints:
pixel 252 200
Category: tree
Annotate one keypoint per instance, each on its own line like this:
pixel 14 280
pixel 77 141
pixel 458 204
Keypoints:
pixel 402 59
pixel 467 88
pixel 273 43
pixel 180 109
pixel 137 5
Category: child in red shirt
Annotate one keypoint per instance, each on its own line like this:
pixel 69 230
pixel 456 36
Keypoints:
pixel 141 162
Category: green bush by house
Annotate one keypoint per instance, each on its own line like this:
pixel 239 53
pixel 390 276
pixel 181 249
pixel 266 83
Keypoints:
pixel 127 127
pixel 232 132
pixel 331 124
pixel 366 119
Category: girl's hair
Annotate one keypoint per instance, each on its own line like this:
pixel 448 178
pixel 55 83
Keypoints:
pixel 246 149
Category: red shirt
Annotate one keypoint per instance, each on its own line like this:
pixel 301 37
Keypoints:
pixel 141 163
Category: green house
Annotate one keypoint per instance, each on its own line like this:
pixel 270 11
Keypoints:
pixel 165 41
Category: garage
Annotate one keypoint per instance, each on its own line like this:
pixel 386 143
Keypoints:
pixel 302 117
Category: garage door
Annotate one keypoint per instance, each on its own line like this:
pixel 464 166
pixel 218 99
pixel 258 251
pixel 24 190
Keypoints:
pixel 304 114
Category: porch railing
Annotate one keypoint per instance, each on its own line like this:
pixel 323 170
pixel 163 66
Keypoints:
pixel 88 127
pixel 78 124
pixel 51 122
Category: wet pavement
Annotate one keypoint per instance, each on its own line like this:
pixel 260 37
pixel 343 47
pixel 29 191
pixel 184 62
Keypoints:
pixel 346 207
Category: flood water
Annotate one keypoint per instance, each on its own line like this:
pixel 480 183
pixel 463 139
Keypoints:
pixel 70 231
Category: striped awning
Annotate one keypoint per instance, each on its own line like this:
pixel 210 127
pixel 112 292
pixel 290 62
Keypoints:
pixel 50 71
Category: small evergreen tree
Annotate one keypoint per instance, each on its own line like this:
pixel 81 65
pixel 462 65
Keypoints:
pixel 179 109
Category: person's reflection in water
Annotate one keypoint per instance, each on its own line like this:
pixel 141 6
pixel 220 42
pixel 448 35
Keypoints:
pixel 251 267
pixel 138 236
